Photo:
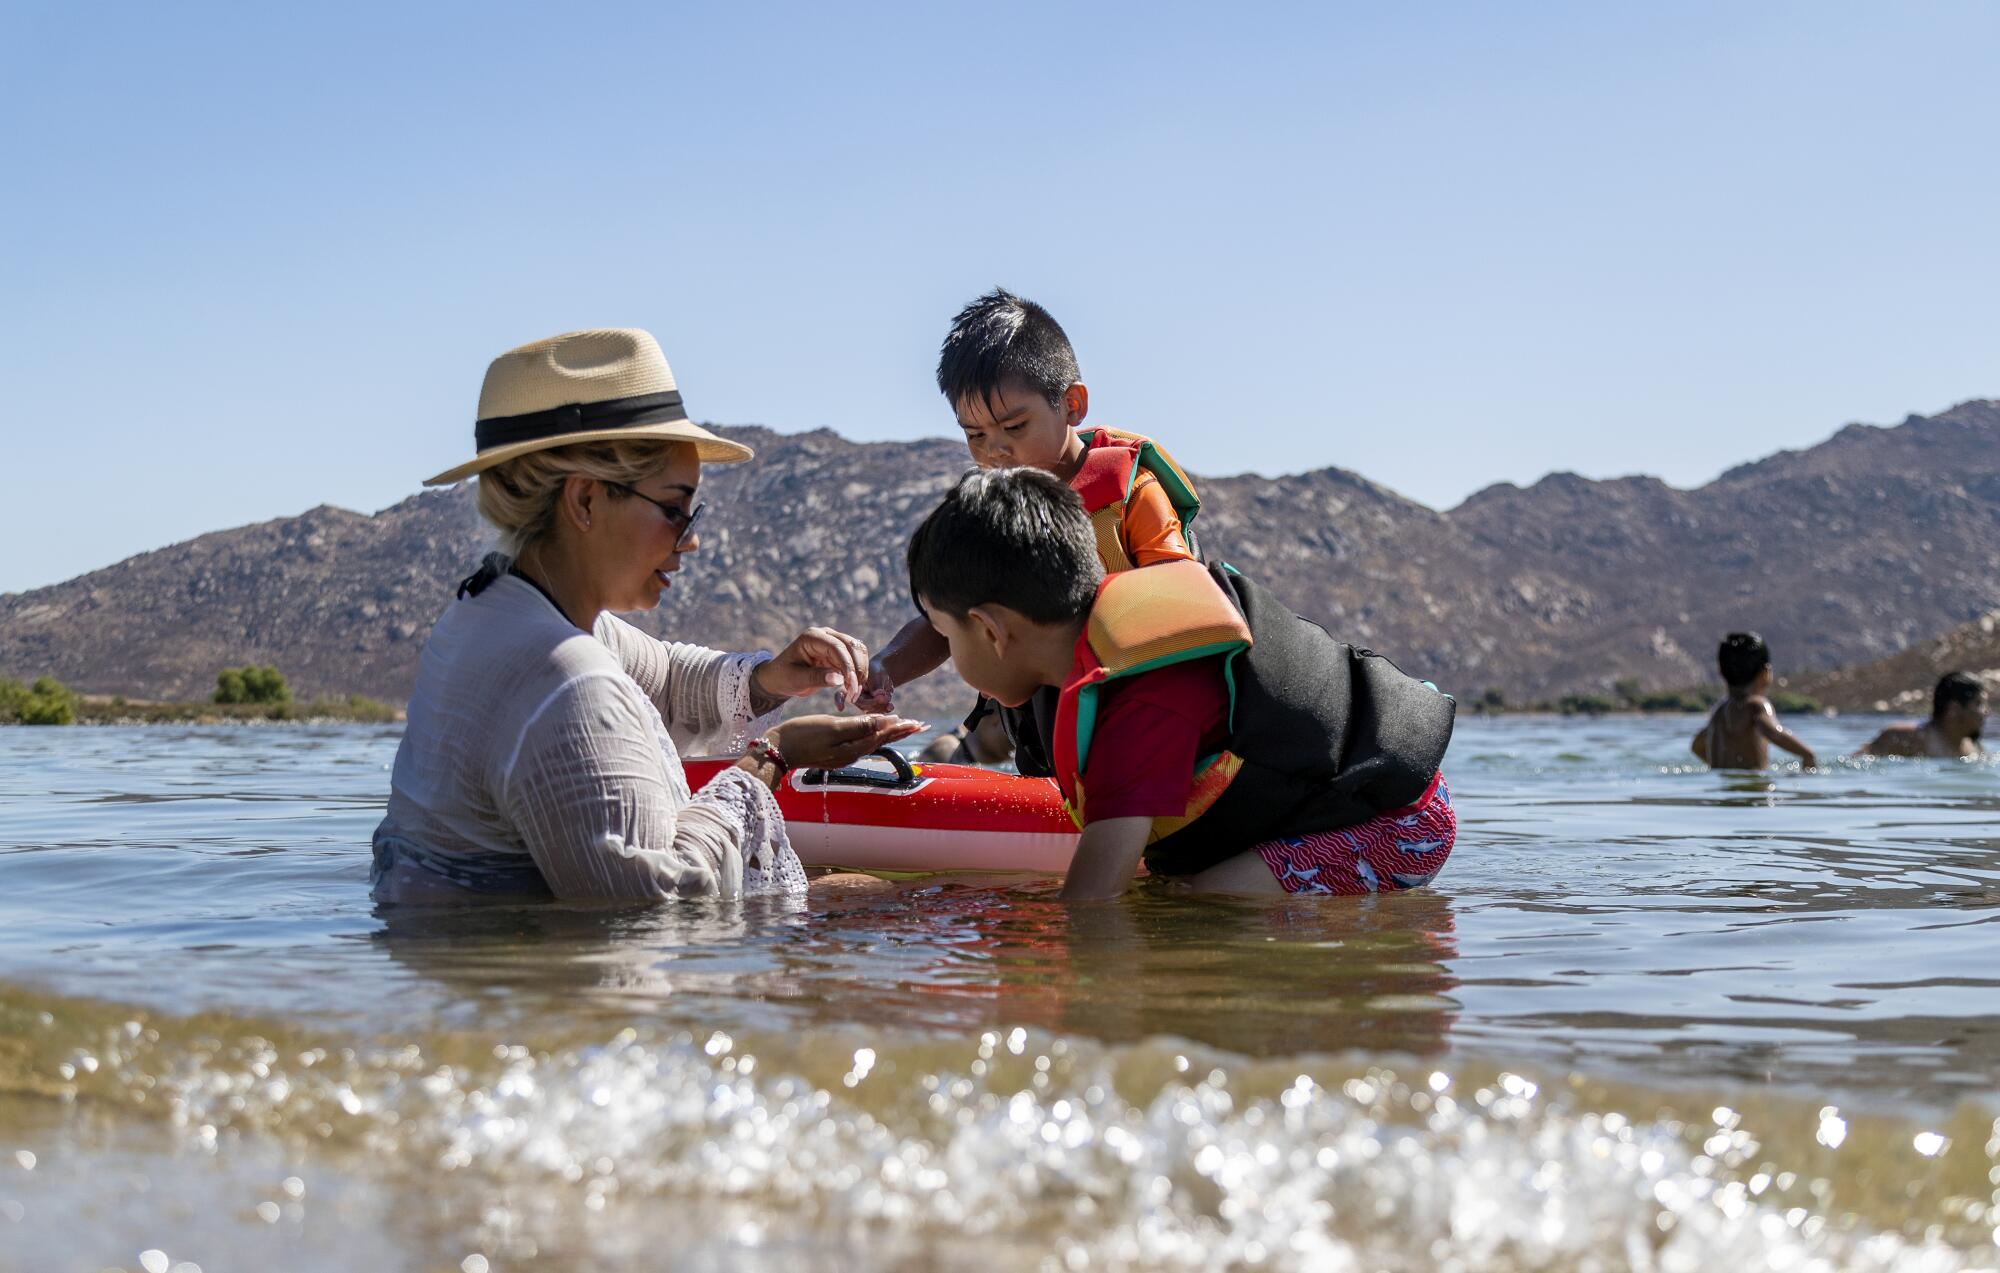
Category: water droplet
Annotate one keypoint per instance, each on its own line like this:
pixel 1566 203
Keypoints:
pixel 268 1212
pixel 293 1187
pixel 154 1261
pixel 474 1263
pixel 25 1158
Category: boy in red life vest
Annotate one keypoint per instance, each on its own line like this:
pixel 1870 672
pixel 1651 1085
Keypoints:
pixel 1200 726
pixel 1011 377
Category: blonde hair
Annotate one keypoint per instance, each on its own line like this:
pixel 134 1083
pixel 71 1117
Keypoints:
pixel 520 497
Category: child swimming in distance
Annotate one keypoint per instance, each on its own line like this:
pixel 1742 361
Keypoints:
pixel 1958 715
pixel 1743 726
pixel 984 742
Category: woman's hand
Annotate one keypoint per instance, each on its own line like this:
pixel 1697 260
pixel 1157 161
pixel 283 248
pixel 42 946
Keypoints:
pixel 828 742
pixel 817 659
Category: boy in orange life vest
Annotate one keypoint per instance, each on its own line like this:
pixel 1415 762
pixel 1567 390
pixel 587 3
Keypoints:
pixel 1200 725
pixel 1010 375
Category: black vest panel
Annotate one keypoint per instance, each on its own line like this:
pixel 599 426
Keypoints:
pixel 1330 736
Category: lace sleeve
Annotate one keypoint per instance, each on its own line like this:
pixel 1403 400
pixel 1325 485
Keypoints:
pixel 769 864
pixel 590 794
pixel 703 694
pixel 738 709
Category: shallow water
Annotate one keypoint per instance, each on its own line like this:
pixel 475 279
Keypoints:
pixel 1649 1017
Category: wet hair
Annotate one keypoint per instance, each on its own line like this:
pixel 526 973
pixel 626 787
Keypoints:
pixel 1957 688
pixel 1012 537
pixel 1002 337
pixel 1741 656
pixel 520 497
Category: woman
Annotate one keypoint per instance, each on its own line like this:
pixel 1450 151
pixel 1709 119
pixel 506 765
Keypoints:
pixel 542 751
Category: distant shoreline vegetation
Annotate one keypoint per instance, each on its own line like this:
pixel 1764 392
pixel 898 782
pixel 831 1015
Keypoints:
pixel 257 695
pixel 1628 698
pixel 260 697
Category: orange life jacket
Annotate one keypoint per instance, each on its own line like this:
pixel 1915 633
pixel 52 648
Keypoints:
pixel 1115 464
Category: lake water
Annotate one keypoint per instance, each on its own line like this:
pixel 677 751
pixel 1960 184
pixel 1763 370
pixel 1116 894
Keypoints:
pixel 1649 1017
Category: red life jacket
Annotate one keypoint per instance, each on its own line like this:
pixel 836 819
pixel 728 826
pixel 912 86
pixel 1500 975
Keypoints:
pixel 1115 464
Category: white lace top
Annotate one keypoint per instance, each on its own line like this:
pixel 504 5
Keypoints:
pixel 540 758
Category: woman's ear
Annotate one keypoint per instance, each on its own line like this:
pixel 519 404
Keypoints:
pixel 579 499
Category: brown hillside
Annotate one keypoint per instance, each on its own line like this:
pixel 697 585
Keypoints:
pixel 1903 682
pixel 1840 554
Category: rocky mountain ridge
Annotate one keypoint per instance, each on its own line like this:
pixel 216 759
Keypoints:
pixel 1841 553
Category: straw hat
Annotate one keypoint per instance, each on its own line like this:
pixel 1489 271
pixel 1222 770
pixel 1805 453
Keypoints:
pixel 593 386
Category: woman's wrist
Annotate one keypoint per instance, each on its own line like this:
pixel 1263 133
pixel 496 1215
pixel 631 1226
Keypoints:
pixel 763 750
pixel 762 701
pixel 767 774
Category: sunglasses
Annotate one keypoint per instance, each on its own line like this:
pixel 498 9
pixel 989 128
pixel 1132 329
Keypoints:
pixel 678 518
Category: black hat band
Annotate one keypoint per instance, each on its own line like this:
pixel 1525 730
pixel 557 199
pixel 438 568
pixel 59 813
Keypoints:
pixel 579 417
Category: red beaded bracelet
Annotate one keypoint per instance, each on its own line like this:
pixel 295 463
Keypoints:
pixel 764 750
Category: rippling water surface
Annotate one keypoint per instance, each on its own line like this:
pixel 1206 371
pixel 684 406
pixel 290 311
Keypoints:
pixel 1650 1017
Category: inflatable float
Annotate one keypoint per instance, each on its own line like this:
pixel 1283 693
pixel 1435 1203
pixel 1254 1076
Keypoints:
pixel 887 814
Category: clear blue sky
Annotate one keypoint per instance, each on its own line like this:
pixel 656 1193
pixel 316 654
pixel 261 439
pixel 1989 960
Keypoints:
pixel 256 257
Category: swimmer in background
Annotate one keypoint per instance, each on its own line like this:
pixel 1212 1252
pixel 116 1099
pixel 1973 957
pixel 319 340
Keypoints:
pixel 1958 715
pixel 1743 726
pixel 986 743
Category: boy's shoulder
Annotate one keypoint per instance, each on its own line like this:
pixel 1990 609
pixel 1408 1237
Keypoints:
pixel 1102 434
pixel 1099 437
pixel 1132 709
pixel 1898 740
pixel 1755 704
pixel 1153 498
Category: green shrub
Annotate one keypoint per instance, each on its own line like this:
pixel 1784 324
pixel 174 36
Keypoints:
pixel 1673 701
pixel 1585 704
pixel 1791 704
pixel 362 708
pixel 47 702
pixel 249 684
pixel 12 695
pixel 352 707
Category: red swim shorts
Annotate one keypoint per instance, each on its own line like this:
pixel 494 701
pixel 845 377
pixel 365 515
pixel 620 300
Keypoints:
pixel 1404 848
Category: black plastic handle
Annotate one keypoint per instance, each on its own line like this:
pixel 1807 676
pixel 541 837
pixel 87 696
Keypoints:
pixel 903 779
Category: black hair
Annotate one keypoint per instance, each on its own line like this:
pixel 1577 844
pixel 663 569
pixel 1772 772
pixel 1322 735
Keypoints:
pixel 1013 537
pixel 1001 337
pixel 1742 656
pixel 1955 687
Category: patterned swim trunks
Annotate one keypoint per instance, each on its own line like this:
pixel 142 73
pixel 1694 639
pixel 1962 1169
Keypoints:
pixel 1402 849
